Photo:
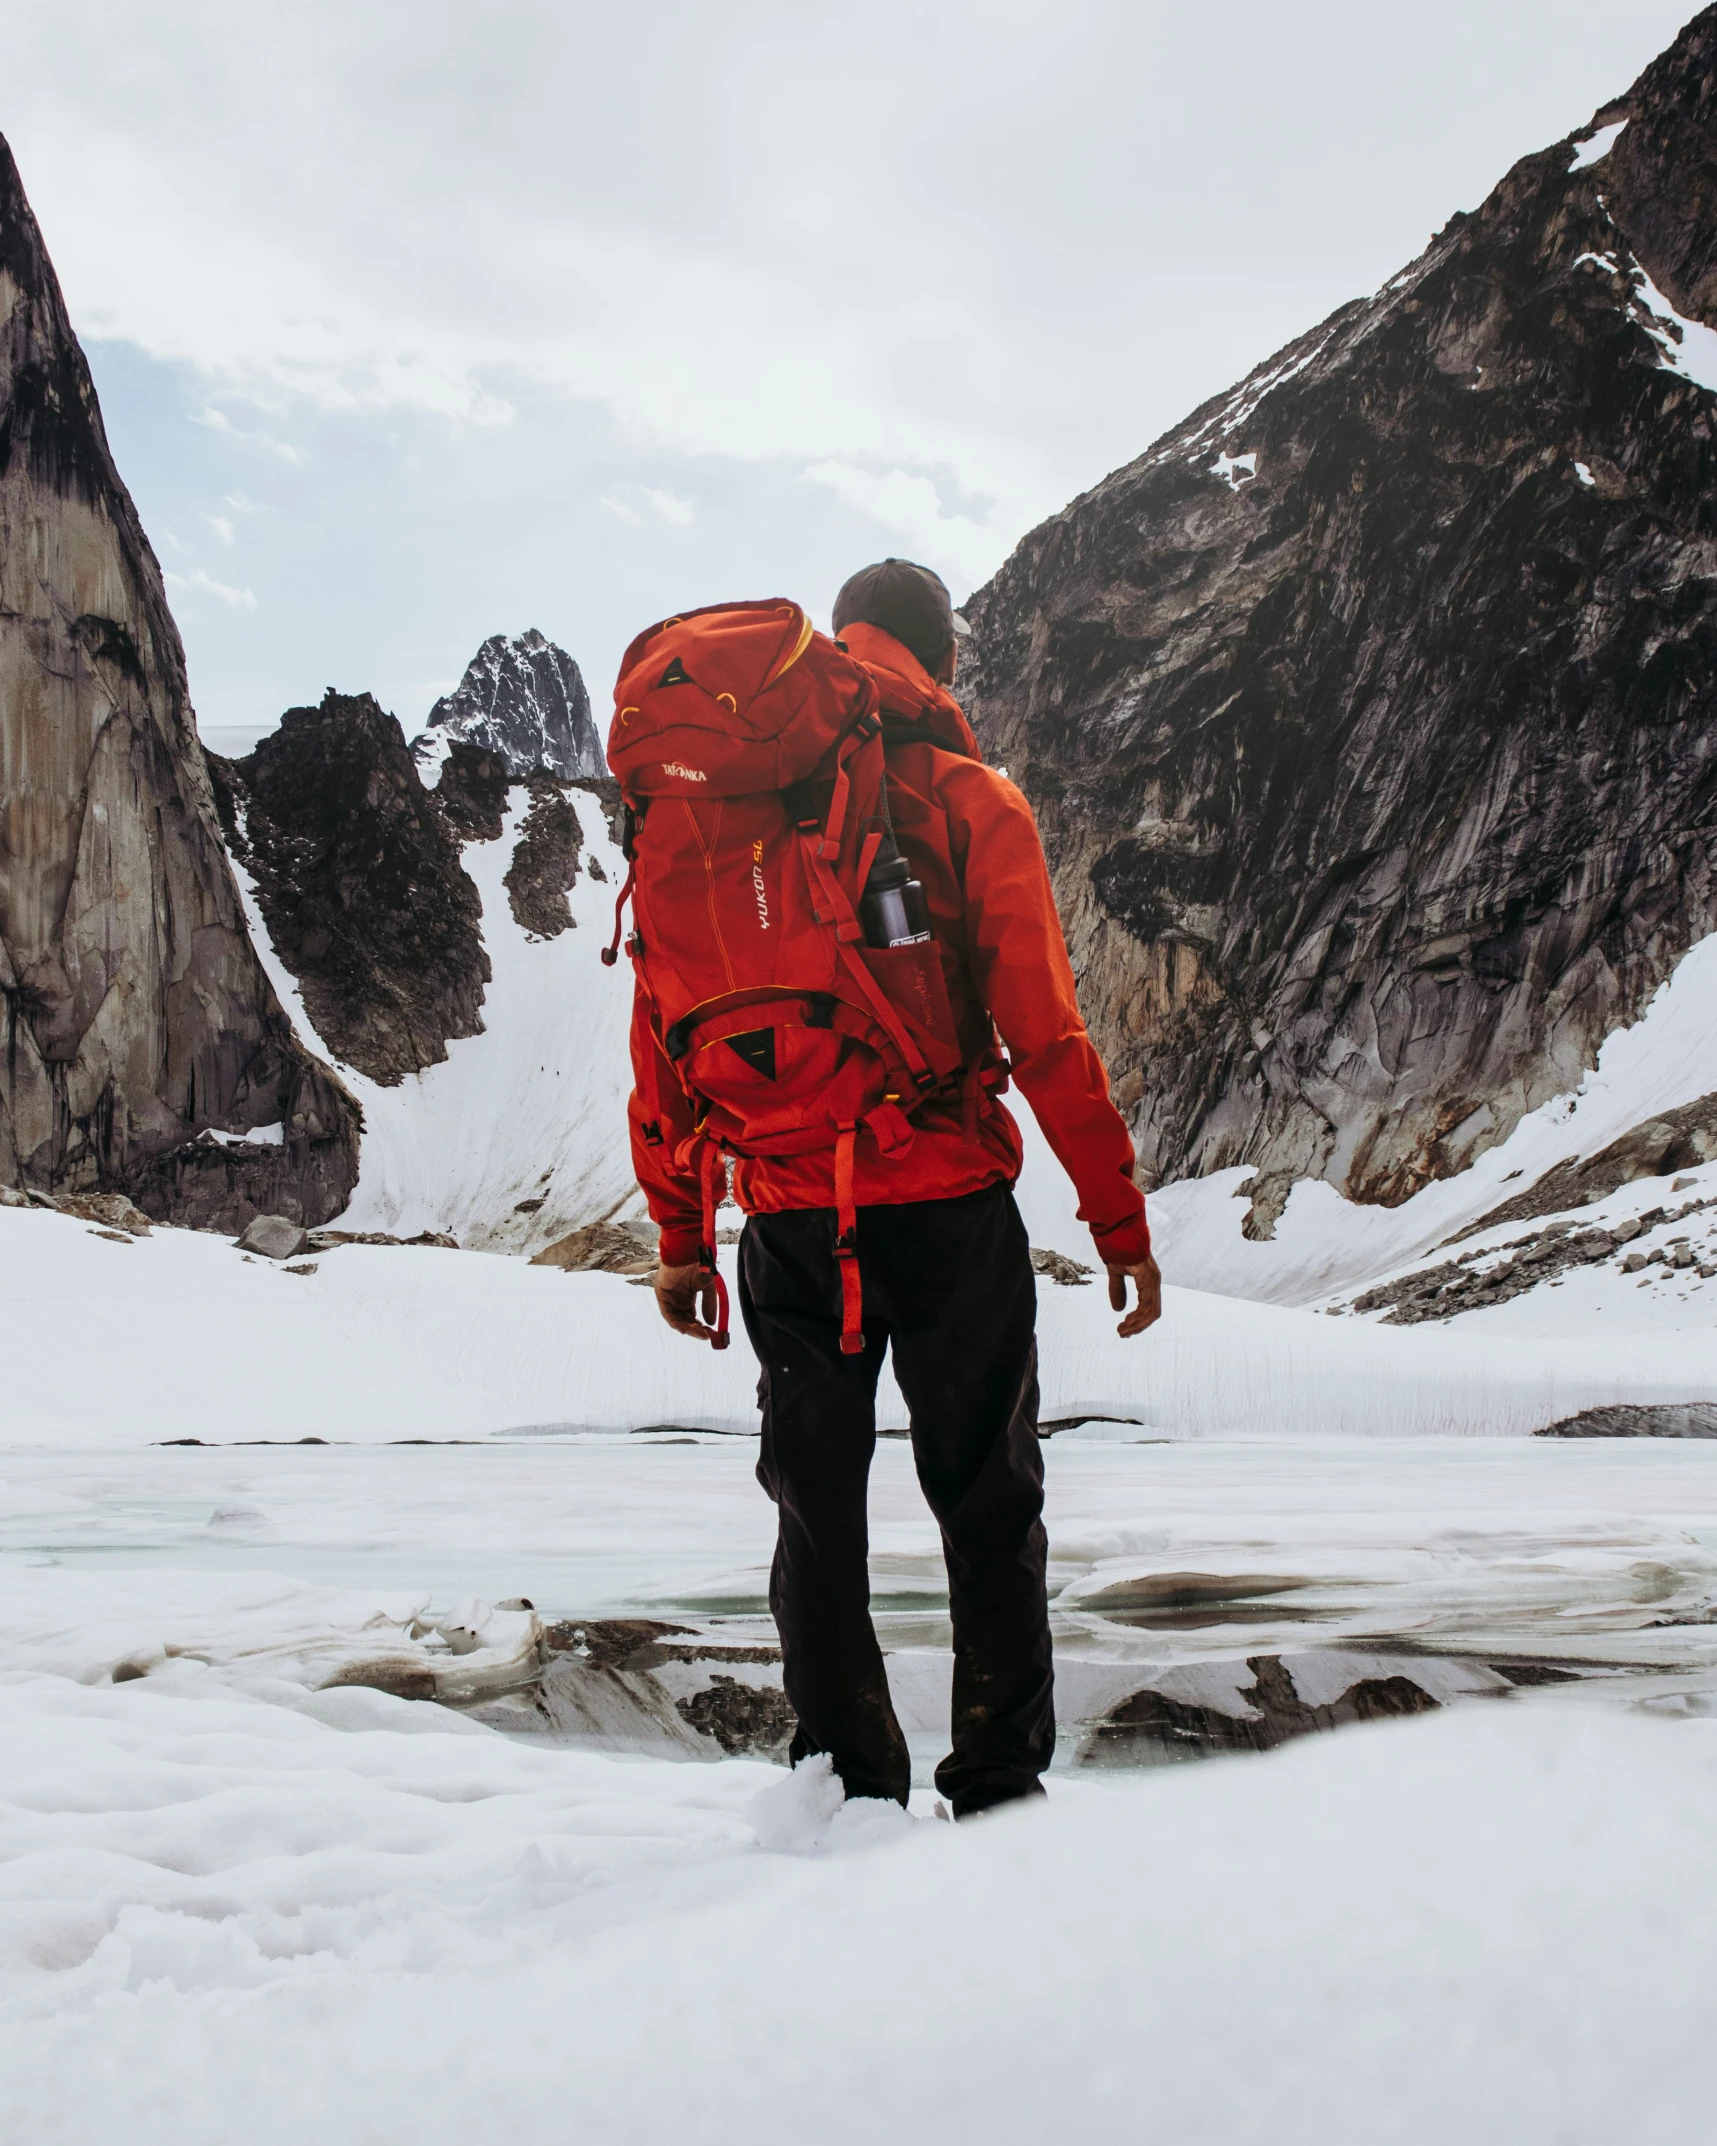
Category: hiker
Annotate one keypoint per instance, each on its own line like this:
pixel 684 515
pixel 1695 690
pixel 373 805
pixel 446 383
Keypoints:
pixel 838 911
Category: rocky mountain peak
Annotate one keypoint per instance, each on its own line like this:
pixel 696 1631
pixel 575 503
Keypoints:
pixel 137 1014
pixel 525 699
pixel 1371 714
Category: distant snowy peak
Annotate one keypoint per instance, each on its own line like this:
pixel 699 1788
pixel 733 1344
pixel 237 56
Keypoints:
pixel 525 699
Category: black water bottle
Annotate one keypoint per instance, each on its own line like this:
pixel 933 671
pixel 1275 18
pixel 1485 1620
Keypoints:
pixel 892 908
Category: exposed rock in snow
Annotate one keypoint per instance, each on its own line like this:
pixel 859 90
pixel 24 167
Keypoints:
pixel 636 1684
pixel 138 1013
pixel 545 862
pixel 1202 1712
pixel 1378 785
pixel 357 875
pixel 1697 1419
pixel 525 699
pixel 1677 1140
pixel 603 1248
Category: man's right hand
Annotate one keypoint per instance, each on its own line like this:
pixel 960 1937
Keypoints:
pixel 682 1293
pixel 1148 1281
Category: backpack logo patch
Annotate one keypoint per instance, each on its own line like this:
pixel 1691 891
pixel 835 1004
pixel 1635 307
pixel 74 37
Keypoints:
pixel 758 888
pixel 686 774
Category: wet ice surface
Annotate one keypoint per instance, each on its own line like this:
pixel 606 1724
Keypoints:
pixel 341 1914
pixel 1600 1556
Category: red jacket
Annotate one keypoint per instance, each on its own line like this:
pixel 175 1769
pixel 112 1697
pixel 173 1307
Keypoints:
pixel 972 841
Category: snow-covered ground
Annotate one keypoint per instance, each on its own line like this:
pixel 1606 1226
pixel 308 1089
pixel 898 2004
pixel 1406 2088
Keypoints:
pixel 1492 1926
pixel 180 1335
pixel 239 1893
pixel 360 1919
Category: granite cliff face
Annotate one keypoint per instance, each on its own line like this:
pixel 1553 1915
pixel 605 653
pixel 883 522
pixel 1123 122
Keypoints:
pixel 1371 715
pixel 136 1012
pixel 525 699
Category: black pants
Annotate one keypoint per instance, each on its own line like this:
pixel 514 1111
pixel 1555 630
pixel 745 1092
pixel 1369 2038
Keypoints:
pixel 949 1284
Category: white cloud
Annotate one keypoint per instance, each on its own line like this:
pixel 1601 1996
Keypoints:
pixel 964 552
pixel 997 241
pixel 197 582
pixel 670 506
pixel 619 509
pixel 217 420
pixel 222 527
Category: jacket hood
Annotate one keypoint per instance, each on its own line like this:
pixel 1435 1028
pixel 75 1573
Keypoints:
pixel 908 690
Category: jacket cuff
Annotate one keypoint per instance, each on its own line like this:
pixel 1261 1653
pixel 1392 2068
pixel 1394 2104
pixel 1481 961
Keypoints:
pixel 681 1242
pixel 1123 1244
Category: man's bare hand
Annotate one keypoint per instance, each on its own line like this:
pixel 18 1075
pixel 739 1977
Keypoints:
pixel 682 1294
pixel 1149 1309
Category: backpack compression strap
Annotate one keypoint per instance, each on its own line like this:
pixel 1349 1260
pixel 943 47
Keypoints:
pixel 714 1174
pixel 846 1245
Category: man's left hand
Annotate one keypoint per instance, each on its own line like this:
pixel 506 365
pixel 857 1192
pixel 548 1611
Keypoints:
pixel 1147 1280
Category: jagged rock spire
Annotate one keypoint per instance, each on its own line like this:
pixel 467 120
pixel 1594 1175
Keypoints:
pixel 524 698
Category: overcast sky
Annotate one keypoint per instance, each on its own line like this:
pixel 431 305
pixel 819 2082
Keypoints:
pixel 414 322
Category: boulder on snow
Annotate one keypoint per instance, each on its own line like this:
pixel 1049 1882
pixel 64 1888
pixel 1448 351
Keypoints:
pixel 274 1237
pixel 603 1248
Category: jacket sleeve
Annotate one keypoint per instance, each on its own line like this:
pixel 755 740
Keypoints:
pixel 1018 960
pixel 659 1117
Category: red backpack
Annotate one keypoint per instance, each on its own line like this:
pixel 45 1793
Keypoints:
pixel 749 751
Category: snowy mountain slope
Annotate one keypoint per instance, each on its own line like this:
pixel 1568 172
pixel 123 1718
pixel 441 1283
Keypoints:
pixel 529 1110
pixel 1326 1246
pixel 532 1109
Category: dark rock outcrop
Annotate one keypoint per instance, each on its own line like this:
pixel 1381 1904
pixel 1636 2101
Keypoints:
pixel 1371 716
pixel 358 876
pixel 545 862
pixel 524 698
pixel 1683 1419
pixel 136 1011
pixel 472 793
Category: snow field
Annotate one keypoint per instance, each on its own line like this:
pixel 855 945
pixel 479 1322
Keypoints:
pixel 180 1335
pixel 1500 1923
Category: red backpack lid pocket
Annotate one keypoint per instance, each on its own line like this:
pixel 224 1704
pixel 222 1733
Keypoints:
pixel 730 700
